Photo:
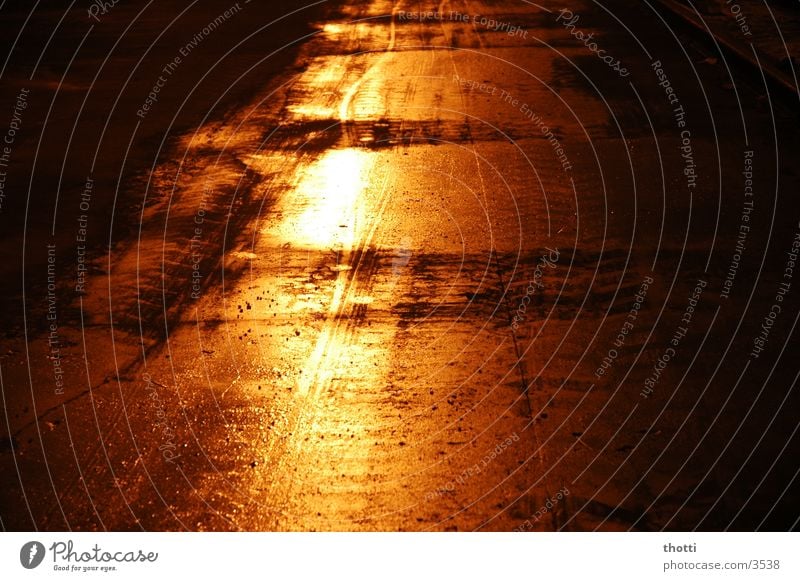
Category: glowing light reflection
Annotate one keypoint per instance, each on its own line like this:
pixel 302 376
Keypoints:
pixel 330 195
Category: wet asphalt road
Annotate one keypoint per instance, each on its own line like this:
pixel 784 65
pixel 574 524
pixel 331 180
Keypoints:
pixel 450 270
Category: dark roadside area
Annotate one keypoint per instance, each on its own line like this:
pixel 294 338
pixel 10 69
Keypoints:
pixel 81 158
pixel 762 37
pixel 92 100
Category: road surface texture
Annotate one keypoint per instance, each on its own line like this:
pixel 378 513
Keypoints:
pixel 355 266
